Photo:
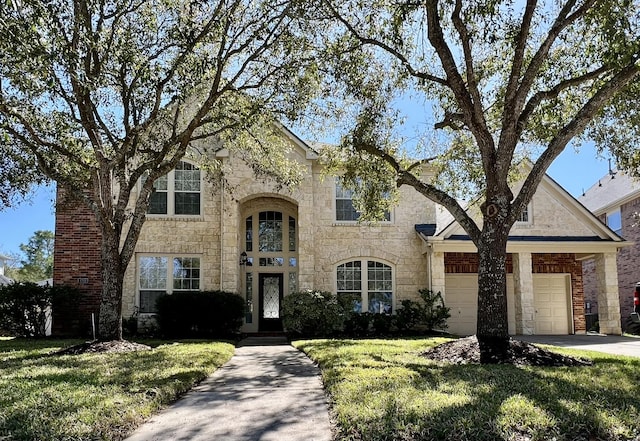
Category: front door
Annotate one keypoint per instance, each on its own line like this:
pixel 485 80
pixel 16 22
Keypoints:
pixel 271 291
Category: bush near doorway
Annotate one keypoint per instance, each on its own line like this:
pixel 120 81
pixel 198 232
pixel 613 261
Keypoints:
pixel 190 314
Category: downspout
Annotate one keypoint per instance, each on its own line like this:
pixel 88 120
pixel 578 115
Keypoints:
pixel 429 268
pixel 221 233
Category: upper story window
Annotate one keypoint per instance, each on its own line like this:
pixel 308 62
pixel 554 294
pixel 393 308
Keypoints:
pixel 160 275
pixel 178 192
pixel 614 221
pixel 367 284
pixel 345 211
pixel 271 232
pixel 525 216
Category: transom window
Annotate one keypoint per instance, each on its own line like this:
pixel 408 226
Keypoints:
pixel 345 211
pixel 178 192
pixel 367 284
pixel 159 275
pixel 275 231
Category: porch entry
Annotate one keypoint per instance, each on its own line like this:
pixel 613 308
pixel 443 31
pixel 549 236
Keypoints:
pixel 271 291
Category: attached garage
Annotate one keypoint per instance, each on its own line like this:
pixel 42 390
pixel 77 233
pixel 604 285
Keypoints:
pixel 552 294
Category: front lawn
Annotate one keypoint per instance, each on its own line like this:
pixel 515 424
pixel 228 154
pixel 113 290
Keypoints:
pixel 384 390
pixel 94 396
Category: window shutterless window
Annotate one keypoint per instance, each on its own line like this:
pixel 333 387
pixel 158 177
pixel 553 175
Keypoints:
pixel 614 221
pixel 367 285
pixel 524 216
pixel 160 275
pixel 345 211
pixel 178 192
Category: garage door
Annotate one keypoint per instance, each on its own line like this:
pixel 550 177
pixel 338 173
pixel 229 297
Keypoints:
pixel 461 295
pixel 551 299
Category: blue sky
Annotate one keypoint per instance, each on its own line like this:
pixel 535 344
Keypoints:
pixel 574 171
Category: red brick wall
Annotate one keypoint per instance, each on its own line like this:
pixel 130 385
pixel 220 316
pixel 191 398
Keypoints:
pixel 76 263
pixel 628 261
pixel 541 264
pixel 629 257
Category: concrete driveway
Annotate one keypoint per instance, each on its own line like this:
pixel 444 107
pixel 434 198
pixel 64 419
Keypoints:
pixel 610 344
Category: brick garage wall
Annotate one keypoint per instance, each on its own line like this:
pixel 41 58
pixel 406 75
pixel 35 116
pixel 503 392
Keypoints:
pixel 627 261
pixel 629 257
pixel 76 263
pixel 557 263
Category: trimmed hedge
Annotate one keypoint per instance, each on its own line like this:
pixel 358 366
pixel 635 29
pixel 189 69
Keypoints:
pixel 200 314
pixel 25 307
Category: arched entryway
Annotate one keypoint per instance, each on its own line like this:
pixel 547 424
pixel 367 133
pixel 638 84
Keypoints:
pixel 270 240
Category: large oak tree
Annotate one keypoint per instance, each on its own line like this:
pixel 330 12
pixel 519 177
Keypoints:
pixel 100 95
pixel 507 80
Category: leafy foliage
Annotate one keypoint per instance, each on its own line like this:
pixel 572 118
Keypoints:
pixel 434 314
pixel 312 313
pixel 109 92
pixel 491 85
pixel 200 314
pixel 25 308
pixel 319 313
pixel 38 262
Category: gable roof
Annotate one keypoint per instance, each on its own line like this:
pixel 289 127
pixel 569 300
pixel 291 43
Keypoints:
pixel 612 190
pixel 591 230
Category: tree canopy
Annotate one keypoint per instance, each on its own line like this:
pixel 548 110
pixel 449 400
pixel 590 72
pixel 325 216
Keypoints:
pixel 96 94
pixel 497 82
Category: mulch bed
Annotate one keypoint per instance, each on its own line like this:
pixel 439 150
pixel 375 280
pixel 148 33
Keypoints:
pixel 113 346
pixel 520 353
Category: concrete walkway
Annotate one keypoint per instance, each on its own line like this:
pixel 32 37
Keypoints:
pixel 610 344
pixel 268 391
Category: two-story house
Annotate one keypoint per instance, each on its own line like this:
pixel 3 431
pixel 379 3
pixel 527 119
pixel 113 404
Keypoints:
pixel 615 200
pixel 264 243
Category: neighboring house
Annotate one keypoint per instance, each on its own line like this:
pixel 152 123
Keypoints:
pixel 4 280
pixel 265 243
pixel 615 200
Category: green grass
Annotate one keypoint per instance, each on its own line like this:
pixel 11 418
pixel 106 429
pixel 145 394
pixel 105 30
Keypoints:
pixel 94 396
pixel 384 390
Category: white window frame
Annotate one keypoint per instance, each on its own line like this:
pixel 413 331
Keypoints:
pixel 171 191
pixel 529 220
pixel 364 281
pixel 169 276
pixel 356 221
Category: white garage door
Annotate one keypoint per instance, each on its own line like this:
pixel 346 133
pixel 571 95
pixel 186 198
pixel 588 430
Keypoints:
pixel 551 299
pixel 461 295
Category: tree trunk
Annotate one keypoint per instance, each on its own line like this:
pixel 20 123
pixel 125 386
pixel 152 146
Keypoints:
pixel 492 328
pixel 110 317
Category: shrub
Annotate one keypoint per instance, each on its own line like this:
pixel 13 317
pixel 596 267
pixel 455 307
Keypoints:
pixel 25 308
pixel 357 324
pixel 429 314
pixel 200 314
pixel 312 313
pixel 382 324
pixel 408 316
pixel 435 314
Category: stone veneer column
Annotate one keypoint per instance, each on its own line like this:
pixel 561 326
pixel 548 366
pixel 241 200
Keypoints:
pixel 437 273
pixel 607 288
pixel 523 290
